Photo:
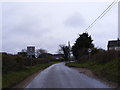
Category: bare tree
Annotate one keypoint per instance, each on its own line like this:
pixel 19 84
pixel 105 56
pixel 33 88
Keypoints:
pixel 64 50
pixel 40 52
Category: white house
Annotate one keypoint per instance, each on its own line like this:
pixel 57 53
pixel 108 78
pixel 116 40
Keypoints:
pixel 114 45
pixel 31 51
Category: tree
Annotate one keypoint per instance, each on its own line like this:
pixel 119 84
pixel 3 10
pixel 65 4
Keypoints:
pixel 23 50
pixel 65 50
pixel 83 42
pixel 40 52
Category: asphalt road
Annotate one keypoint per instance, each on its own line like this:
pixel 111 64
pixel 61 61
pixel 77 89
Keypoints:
pixel 61 76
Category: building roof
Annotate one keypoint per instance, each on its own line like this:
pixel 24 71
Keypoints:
pixel 113 43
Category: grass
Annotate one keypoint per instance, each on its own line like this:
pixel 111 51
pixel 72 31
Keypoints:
pixel 12 78
pixel 108 71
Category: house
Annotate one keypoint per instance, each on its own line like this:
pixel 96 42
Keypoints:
pixel 114 45
pixel 31 51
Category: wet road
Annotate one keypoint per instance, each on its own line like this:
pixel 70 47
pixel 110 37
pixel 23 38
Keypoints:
pixel 61 76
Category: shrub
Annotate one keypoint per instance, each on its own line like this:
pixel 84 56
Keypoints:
pixel 11 63
pixel 104 57
pixel 17 63
pixel 83 59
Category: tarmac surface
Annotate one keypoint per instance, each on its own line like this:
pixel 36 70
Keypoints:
pixel 61 76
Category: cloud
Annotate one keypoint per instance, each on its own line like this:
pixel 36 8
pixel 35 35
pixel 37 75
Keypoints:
pixel 22 27
pixel 46 25
pixel 75 20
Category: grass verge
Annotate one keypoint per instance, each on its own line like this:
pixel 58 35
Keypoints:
pixel 108 71
pixel 13 78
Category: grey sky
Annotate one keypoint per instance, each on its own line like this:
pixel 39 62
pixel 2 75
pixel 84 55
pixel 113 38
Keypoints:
pixel 47 25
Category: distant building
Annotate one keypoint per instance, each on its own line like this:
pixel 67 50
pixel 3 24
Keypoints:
pixel 58 56
pixel 114 45
pixel 31 51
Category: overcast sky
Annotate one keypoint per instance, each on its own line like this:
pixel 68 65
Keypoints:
pixel 47 25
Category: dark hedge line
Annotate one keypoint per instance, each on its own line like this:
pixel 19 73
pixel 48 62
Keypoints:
pixel 101 57
pixel 17 63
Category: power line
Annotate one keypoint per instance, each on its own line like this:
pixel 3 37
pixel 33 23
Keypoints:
pixel 109 8
pixel 102 15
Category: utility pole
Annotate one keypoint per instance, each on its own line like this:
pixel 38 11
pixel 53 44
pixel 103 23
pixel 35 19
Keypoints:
pixel 69 50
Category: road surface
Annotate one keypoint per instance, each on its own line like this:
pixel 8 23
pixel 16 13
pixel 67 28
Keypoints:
pixel 61 76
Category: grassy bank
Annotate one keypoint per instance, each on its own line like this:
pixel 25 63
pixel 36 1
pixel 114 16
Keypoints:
pixel 12 78
pixel 108 71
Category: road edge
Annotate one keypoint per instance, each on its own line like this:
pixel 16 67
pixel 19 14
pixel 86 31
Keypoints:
pixel 26 81
pixel 92 74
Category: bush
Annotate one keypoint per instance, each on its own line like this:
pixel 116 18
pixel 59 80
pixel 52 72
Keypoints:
pixel 104 57
pixel 83 59
pixel 17 63
pixel 109 71
pixel 39 61
pixel 11 63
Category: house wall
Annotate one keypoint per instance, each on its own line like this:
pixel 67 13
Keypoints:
pixel 31 52
pixel 111 48
pixel 117 48
pixel 114 48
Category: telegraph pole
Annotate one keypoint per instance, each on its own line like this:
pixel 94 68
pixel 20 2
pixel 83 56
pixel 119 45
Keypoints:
pixel 69 50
